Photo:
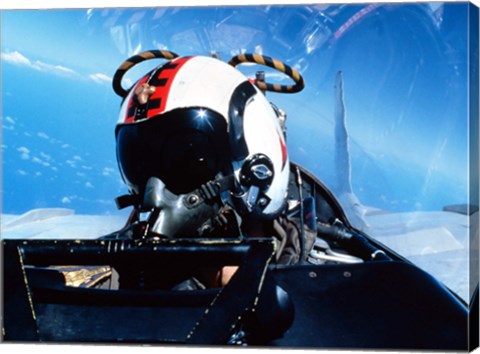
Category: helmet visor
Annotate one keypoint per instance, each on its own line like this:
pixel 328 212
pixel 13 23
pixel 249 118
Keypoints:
pixel 184 148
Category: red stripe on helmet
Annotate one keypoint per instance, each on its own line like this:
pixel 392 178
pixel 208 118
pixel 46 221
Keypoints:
pixel 166 76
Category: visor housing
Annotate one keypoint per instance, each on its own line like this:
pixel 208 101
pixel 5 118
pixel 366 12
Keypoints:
pixel 185 148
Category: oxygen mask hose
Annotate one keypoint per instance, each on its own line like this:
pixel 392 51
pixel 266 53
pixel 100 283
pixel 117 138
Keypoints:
pixel 352 241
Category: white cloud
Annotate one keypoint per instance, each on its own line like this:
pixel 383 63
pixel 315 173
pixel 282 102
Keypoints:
pixel 100 78
pixel 43 135
pixel 70 199
pixel 10 120
pixel 37 160
pixel 18 58
pixel 57 69
pixel 24 152
pixel 66 200
pixel 89 185
pixel 21 172
pixel 40 162
pixel 45 156
pixel 107 171
pixel 23 149
pixel 9 123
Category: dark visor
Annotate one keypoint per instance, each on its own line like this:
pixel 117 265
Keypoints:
pixel 184 148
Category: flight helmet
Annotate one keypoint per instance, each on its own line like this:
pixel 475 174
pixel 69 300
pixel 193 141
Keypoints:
pixel 195 135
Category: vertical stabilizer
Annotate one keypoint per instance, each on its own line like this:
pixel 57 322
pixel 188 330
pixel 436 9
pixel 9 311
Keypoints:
pixel 343 169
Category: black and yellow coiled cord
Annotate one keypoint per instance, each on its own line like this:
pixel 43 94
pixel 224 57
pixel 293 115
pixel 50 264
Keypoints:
pixel 274 64
pixel 236 60
pixel 134 60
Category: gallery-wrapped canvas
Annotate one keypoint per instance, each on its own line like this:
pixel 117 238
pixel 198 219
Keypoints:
pixel 277 176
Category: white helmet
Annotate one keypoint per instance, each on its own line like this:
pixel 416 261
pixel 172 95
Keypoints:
pixel 197 121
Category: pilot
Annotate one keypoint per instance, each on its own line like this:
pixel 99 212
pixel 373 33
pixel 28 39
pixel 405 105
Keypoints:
pixel 203 153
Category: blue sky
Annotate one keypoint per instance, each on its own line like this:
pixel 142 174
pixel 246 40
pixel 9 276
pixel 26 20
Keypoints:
pixel 57 38
pixel 58 114
pixel 405 83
